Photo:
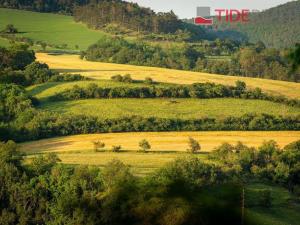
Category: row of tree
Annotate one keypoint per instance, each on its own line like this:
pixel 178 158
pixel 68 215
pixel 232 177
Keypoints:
pixel 18 66
pixel 35 124
pixel 197 90
pixel 267 163
pixel 251 60
pixel 60 6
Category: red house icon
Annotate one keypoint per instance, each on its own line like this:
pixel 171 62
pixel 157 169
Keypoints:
pixel 203 21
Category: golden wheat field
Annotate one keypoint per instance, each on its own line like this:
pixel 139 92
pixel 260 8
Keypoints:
pixel 98 70
pixel 165 146
pixel 160 141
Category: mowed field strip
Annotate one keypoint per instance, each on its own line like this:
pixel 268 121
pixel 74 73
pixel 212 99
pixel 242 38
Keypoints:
pixel 99 70
pixel 160 141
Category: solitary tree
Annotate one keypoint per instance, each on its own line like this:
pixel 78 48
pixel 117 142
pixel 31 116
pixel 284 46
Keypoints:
pixel 144 145
pixel 194 145
pixel 98 145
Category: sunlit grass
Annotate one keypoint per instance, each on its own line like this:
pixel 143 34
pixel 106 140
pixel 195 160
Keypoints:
pixel 168 108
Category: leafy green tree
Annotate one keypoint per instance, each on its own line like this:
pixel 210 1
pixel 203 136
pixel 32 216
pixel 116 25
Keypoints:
pixel 37 73
pixel 294 57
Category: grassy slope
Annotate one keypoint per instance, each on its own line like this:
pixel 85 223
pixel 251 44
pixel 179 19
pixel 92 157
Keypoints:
pixel 50 28
pixel 166 108
pixel 72 64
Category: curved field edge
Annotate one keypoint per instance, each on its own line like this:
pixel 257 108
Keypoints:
pixel 99 70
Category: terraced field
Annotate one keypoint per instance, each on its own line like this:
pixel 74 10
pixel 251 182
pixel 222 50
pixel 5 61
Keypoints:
pixel 97 70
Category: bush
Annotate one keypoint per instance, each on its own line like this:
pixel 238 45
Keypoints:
pixel 116 148
pixel 98 145
pixel 67 78
pixel 148 80
pixel 118 78
pixel 127 78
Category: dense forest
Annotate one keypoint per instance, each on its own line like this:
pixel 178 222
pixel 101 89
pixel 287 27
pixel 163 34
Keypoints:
pixel 277 27
pixel 251 60
pixel 128 15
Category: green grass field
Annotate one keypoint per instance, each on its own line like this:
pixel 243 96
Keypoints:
pixel 166 108
pixel 50 28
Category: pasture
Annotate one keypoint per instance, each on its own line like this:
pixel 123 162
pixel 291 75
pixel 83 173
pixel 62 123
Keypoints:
pixel 98 70
pixel 50 28
pixel 168 108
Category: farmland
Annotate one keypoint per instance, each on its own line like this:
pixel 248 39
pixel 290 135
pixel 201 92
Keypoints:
pixel 166 108
pixel 50 28
pixel 98 70
pixel 166 146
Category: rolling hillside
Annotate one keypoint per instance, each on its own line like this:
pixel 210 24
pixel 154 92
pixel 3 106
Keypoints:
pixel 277 27
pixel 52 29
pixel 97 70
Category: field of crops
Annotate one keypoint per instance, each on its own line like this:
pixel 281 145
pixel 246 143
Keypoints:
pixel 50 28
pixel 97 70
pixel 165 146
pixel 168 108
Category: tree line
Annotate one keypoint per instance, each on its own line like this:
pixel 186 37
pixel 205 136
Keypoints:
pixel 268 163
pixel 58 6
pixel 18 66
pixel 197 90
pixel 250 60
pixel 34 124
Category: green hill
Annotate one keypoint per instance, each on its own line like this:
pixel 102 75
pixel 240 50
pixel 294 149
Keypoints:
pixel 53 29
pixel 276 27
